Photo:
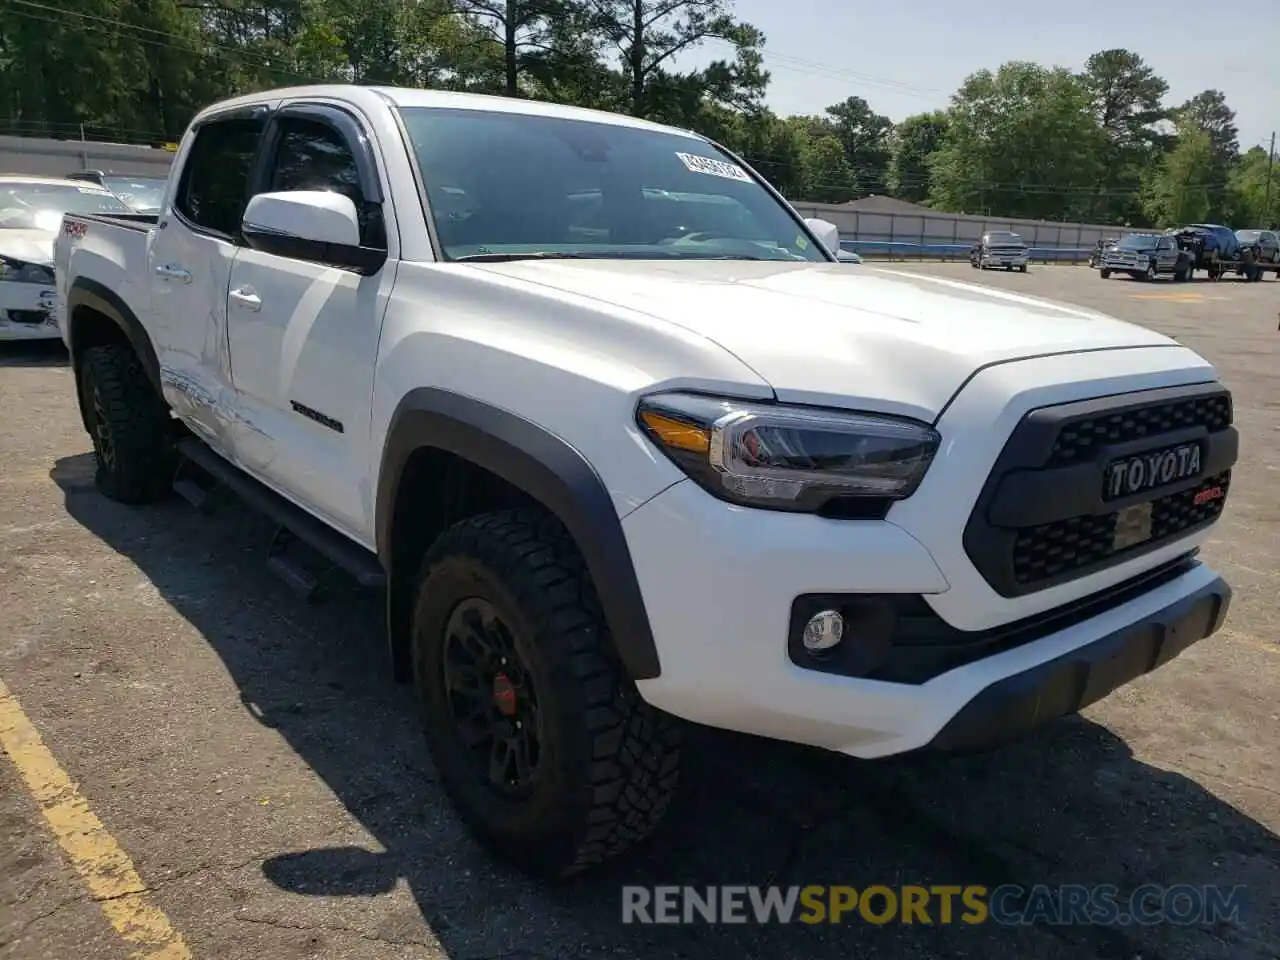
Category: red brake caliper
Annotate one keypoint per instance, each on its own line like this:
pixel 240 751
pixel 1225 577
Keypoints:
pixel 504 695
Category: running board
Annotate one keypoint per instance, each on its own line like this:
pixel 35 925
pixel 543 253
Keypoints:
pixel 295 522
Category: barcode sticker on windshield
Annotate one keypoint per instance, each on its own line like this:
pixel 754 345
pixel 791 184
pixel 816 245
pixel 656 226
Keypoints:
pixel 715 168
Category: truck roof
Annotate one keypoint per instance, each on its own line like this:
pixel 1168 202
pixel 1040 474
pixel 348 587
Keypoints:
pixel 443 99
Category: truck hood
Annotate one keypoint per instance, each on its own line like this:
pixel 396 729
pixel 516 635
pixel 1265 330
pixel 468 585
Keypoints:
pixel 838 334
pixel 32 246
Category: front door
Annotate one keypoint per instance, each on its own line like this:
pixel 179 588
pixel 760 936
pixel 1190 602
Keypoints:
pixel 188 268
pixel 304 336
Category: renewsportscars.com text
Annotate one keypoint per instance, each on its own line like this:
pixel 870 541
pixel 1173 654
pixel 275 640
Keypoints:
pixel 1071 904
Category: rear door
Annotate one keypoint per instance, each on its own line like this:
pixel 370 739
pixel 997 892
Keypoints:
pixel 304 336
pixel 189 264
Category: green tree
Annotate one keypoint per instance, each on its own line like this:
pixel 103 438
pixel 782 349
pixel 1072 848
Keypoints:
pixel 1126 101
pixel 1208 111
pixel 911 144
pixel 648 34
pixel 517 27
pixel 1021 141
pixel 1248 190
pixel 825 174
pixel 1178 192
pixel 864 136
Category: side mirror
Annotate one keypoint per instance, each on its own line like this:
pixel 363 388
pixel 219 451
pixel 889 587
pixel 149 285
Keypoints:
pixel 315 225
pixel 828 233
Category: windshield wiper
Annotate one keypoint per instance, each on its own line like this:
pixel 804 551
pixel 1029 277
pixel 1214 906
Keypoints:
pixel 612 255
pixel 536 255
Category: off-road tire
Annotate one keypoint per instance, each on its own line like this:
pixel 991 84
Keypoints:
pixel 129 423
pixel 608 761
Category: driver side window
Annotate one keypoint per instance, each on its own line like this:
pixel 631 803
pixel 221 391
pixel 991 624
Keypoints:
pixel 314 156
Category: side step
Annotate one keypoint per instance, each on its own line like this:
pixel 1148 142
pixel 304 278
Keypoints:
pixel 296 525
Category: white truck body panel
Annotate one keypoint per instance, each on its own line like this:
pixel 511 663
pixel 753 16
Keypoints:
pixel 247 341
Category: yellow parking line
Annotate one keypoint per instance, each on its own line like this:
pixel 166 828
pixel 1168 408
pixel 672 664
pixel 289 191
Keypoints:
pixel 1173 297
pixel 105 868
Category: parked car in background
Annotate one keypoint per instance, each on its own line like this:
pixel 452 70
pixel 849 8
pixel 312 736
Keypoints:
pixel 1000 248
pixel 1146 256
pixel 1265 245
pixel 142 194
pixel 1096 254
pixel 1216 250
pixel 31 210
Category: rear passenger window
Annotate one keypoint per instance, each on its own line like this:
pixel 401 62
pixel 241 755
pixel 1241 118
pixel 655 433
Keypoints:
pixel 315 156
pixel 215 178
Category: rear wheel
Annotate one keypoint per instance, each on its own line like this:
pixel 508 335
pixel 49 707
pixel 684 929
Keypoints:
pixel 540 739
pixel 1105 274
pixel 129 425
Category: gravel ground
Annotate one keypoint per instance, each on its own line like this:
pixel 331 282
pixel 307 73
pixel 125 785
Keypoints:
pixel 253 758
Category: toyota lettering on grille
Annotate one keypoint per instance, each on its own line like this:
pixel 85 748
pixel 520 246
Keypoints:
pixel 1145 471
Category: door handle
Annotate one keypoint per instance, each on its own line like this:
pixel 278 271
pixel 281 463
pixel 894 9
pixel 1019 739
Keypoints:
pixel 171 271
pixel 246 299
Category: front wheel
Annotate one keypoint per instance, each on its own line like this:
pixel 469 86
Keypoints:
pixel 1150 274
pixel 129 424
pixel 540 739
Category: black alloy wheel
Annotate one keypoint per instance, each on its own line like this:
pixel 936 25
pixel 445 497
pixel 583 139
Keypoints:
pixel 492 698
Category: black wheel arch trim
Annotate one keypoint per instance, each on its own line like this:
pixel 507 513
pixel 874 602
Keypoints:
pixel 98 297
pixel 545 467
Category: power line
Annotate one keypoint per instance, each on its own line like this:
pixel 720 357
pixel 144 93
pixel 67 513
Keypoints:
pixel 815 68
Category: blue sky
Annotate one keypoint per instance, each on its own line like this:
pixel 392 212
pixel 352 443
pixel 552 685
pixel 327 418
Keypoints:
pixel 909 57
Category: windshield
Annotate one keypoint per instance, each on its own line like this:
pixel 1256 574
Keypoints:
pixel 40 206
pixel 1137 243
pixel 512 184
pixel 142 193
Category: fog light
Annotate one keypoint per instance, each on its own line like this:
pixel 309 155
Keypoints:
pixel 823 631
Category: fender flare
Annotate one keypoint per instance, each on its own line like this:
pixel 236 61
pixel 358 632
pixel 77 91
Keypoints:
pixel 101 299
pixel 546 468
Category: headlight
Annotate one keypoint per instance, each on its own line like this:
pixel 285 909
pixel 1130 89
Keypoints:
pixel 18 272
pixel 791 458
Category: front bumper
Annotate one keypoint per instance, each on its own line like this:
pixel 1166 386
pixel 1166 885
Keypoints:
pixel 1124 266
pixel 721 583
pixel 27 312
pixel 1005 259
pixel 1067 684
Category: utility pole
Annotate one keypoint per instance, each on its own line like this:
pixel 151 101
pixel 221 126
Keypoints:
pixel 1271 162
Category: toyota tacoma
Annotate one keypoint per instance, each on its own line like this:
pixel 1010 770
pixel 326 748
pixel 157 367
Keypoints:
pixel 626 445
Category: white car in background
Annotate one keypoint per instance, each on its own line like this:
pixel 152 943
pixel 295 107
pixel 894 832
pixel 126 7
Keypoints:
pixel 31 210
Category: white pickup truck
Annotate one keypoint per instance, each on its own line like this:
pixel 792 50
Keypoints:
pixel 625 443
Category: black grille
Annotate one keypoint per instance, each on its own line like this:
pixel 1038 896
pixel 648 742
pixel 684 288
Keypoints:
pixel 1052 549
pixel 1041 519
pixel 1079 440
